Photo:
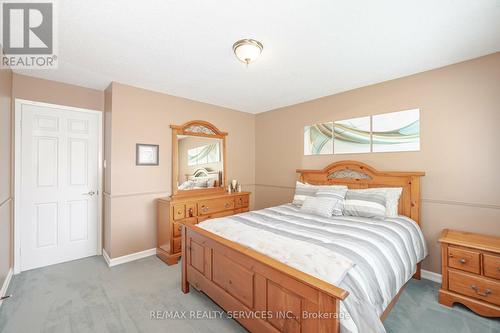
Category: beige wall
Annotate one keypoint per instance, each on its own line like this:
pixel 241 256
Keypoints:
pixel 108 102
pixel 40 90
pixel 460 152
pixel 5 174
pixel 133 189
pixel 459 140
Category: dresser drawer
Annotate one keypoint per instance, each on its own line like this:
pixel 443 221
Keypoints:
pixel 191 209
pixel 491 266
pixel 179 211
pixel 177 229
pixel 241 201
pixel 215 215
pixel 177 245
pixel 208 207
pixel 222 214
pixel 474 286
pixel 177 226
pixel 191 220
pixel 465 260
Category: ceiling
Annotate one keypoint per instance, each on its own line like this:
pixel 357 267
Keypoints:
pixel 312 48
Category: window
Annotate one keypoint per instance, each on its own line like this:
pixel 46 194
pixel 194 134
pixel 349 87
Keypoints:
pixel 204 154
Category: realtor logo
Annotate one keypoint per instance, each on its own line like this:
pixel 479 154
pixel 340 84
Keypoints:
pixel 28 32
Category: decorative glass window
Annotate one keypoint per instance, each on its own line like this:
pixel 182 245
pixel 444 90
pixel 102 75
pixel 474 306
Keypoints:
pixel 318 139
pixel 204 154
pixel 199 129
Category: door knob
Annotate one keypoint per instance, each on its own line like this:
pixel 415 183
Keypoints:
pixel 89 193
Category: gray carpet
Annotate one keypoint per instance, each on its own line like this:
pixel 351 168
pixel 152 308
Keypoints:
pixel 87 296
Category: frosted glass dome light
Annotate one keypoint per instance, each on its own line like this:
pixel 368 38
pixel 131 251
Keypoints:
pixel 247 50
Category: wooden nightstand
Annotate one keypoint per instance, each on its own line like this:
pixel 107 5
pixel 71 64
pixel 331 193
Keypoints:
pixel 471 271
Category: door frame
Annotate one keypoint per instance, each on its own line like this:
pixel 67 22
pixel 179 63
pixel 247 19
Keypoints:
pixel 18 102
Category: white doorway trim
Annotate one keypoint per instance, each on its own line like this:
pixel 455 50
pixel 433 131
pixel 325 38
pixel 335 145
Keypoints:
pixel 17 172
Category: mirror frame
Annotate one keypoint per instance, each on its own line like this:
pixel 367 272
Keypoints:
pixel 203 129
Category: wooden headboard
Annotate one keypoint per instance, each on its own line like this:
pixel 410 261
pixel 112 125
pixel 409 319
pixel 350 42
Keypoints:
pixel 359 175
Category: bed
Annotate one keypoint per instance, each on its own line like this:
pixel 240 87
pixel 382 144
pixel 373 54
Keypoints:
pixel 201 178
pixel 309 285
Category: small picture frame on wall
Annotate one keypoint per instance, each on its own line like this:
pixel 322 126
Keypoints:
pixel 146 154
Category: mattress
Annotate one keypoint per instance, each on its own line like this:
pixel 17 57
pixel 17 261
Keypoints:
pixel 371 259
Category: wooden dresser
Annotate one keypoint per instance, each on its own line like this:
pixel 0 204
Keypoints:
pixel 471 271
pixel 172 212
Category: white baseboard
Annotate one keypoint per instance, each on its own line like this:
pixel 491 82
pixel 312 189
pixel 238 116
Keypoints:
pixel 106 257
pixel 6 283
pixel 428 275
pixel 128 258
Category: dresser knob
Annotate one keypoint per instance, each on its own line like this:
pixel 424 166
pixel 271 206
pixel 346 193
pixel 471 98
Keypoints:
pixel 463 261
pixel 479 292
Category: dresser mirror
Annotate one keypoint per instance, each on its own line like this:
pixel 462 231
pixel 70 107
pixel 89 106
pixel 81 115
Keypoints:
pixel 198 158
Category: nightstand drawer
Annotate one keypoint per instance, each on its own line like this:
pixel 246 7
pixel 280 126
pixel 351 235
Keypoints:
pixel 465 260
pixel 491 266
pixel 474 286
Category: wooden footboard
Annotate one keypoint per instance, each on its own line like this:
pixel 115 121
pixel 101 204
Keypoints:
pixel 262 294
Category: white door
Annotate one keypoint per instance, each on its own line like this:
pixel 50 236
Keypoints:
pixel 59 163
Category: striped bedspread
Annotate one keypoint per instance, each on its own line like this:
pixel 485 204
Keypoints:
pixel 372 259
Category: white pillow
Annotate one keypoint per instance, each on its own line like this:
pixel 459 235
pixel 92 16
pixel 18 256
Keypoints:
pixel 391 194
pixel 302 191
pixel 365 204
pixel 337 195
pixel 318 206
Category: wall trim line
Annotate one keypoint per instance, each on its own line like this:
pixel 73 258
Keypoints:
pixel 134 194
pixel 461 203
pixel 5 201
pixel 434 201
pixel 6 283
pixel 428 275
pixel 277 186
pixel 127 258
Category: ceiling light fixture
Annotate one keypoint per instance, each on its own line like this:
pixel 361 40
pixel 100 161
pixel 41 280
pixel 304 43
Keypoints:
pixel 247 50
